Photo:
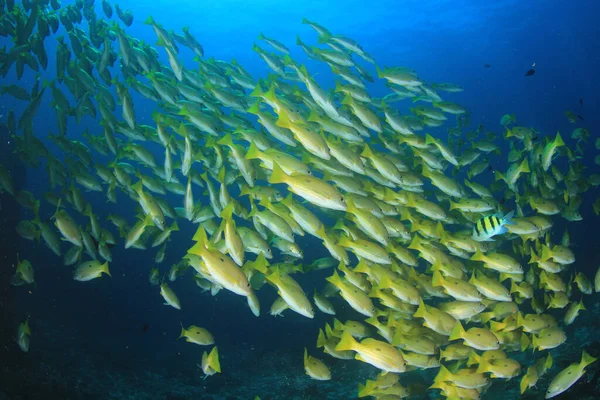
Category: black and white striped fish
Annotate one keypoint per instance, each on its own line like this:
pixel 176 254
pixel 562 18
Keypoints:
pixel 490 226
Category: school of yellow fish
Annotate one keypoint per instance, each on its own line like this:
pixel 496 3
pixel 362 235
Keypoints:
pixel 442 274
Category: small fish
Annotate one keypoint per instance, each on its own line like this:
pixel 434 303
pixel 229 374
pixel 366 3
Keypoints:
pixel 530 72
pixel 210 362
pixel 568 376
pixel 487 66
pixel 196 335
pixel 315 368
pixel 490 226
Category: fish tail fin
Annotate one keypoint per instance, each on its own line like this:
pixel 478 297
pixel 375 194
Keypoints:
pixel 524 385
pixel 277 176
pixel 182 334
pixel 429 139
pixel 226 140
pixel 520 319
pixel 548 362
pixel 437 279
pixel 507 219
pixel 421 310
pixel 257 92
pixel 499 176
pixel 255 108
pixel 274 277
pixel 284 121
pixel 200 236
pixel 253 152
pixel 524 167
pixel 385 282
pixel 558 140
pixel 227 212
pixel 586 359
pixel 337 326
pixel 270 94
pixel 367 389
pixel 534 342
pixel 478 256
pixel 213 360
pixel 457 332
pixel 581 306
pixel 546 253
pixel 288 201
pixel 321 340
pixel 137 187
pixel 443 375
pixel 335 278
pixel 347 342
pixel 105 269
pixel 348 100
pixel 484 366
pixel 486 317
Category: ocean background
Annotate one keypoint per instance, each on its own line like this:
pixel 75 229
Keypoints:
pixel 112 338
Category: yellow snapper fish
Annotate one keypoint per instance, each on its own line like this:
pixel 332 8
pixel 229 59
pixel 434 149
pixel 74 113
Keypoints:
pixel 312 189
pixel 550 150
pixel 210 362
pixel 568 376
pixel 356 298
pixel 23 337
pixel 535 372
pixel 169 296
pixel 220 267
pixel 377 353
pixel 503 368
pixel 315 368
pixel 67 227
pixel 90 270
pixel 468 380
pixel 24 273
pixel 477 338
pixel 196 335
pixel 291 292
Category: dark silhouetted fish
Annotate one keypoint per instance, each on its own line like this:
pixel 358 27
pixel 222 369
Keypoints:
pixel 580 117
pixel 530 72
pixel 487 65
pixel 581 101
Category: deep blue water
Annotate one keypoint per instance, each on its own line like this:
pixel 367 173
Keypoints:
pixel 444 41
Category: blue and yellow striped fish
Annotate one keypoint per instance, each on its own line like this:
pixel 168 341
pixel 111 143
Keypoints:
pixel 489 226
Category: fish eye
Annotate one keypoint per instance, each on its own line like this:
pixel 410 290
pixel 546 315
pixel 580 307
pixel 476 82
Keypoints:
pixel 342 199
